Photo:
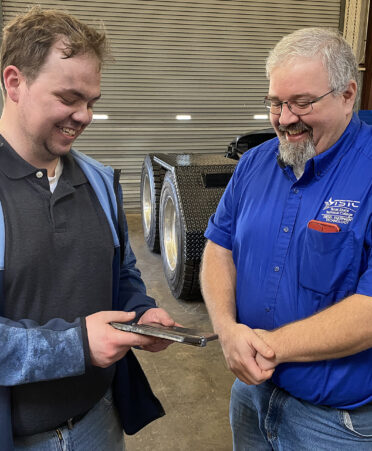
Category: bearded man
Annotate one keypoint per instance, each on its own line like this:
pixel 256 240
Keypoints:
pixel 287 269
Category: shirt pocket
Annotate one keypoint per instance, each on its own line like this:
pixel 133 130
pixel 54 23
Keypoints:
pixel 326 261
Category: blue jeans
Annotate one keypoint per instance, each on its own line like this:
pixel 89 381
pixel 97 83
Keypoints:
pixel 266 418
pixel 99 429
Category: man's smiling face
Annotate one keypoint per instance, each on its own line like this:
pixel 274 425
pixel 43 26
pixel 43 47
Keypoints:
pixel 303 80
pixel 56 107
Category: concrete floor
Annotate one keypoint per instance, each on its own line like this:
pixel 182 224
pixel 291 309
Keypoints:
pixel 193 384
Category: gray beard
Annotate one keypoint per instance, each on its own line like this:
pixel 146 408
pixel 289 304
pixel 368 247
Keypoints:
pixel 296 155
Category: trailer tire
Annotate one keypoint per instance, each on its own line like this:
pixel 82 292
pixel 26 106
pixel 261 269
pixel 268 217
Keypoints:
pixel 182 275
pixel 151 180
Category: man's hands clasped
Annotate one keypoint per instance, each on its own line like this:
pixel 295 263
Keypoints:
pixel 247 354
pixel 108 345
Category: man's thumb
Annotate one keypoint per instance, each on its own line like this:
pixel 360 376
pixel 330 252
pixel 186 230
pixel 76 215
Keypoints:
pixel 263 348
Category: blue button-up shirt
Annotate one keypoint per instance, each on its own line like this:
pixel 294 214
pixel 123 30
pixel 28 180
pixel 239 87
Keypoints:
pixel 286 271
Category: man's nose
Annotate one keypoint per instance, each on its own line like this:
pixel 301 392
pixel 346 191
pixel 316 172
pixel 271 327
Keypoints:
pixel 83 115
pixel 287 117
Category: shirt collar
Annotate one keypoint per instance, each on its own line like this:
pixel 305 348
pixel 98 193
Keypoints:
pixel 319 164
pixel 322 162
pixel 15 167
pixel 72 172
pixel 11 164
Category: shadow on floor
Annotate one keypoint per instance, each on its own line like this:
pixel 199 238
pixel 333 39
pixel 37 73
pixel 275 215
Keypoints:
pixel 193 384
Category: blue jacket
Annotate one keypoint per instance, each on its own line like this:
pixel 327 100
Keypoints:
pixel 30 352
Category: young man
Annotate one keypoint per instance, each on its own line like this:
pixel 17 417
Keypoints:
pixel 291 302
pixel 64 274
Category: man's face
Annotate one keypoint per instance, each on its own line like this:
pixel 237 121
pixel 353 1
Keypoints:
pixel 56 107
pixel 301 80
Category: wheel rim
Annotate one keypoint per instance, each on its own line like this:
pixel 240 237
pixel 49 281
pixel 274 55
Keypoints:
pixel 170 234
pixel 146 205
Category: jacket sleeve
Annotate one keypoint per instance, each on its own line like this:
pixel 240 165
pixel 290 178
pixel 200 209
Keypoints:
pixel 30 352
pixel 132 290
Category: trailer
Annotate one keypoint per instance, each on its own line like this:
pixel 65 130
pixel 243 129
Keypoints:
pixel 179 192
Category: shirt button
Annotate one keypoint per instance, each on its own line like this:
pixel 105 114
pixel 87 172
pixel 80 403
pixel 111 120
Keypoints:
pixel 39 174
pixel 276 268
pixel 285 229
pixel 295 190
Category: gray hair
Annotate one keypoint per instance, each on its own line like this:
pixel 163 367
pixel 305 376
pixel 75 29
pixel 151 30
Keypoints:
pixel 335 53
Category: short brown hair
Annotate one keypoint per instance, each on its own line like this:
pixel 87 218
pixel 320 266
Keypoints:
pixel 28 38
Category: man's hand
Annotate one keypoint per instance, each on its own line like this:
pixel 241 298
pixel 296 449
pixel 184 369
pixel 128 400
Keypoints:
pixel 266 363
pixel 107 344
pixel 158 316
pixel 241 345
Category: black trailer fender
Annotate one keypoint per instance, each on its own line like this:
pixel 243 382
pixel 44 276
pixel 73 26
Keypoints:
pixel 189 187
pixel 192 188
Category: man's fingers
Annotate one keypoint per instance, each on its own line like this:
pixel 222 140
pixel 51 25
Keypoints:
pixel 253 376
pixel 241 357
pixel 156 315
pixel 118 316
pixel 264 363
pixel 111 316
pixel 261 347
pixel 107 344
pixel 158 346
pixel 145 340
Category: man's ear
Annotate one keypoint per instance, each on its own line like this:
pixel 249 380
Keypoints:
pixel 12 81
pixel 350 93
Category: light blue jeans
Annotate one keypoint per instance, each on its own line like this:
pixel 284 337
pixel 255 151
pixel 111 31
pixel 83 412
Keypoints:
pixel 266 418
pixel 99 429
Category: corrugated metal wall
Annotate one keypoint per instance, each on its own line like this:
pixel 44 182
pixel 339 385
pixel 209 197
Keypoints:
pixel 199 57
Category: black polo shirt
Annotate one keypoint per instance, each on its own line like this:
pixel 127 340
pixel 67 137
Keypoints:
pixel 58 264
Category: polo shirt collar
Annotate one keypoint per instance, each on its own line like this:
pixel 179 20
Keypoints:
pixel 15 167
pixel 318 165
pixel 72 171
pixel 11 164
pixel 333 155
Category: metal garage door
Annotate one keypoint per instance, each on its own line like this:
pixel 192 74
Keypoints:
pixel 201 58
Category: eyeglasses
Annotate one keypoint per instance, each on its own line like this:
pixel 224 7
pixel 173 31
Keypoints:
pixel 297 108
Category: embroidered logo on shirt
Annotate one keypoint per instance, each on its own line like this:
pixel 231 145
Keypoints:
pixel 340 211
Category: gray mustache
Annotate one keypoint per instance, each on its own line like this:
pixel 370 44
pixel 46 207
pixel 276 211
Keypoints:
pixel 298 127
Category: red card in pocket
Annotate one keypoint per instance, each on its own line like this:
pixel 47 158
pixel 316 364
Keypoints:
pixel 321 226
